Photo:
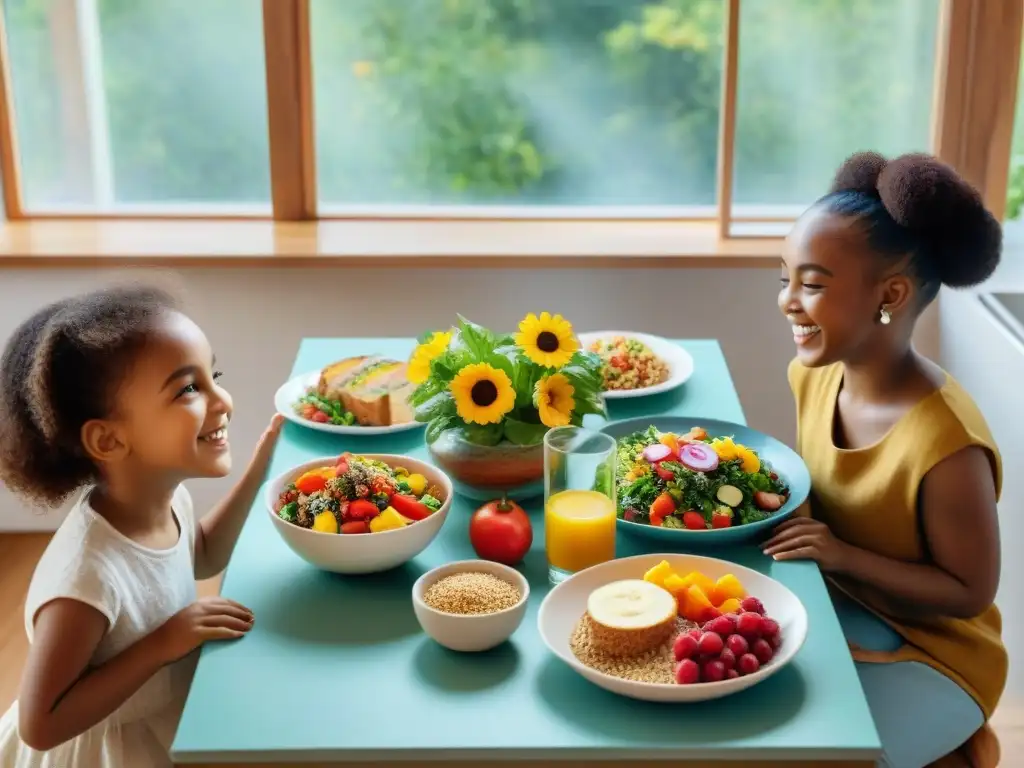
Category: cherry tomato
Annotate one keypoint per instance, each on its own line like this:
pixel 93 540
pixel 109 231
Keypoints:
pixel 409 507
pixel 501 531
pixel 320 417
pixel 355 526
pixel 361 509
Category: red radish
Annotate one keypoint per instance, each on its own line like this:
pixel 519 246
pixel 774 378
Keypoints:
pixel 657 452
pixel 698 457
pixel 768 501
pixel 688 672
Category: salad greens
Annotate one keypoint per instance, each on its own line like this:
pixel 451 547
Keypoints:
pixel 330 411
pixel 693 481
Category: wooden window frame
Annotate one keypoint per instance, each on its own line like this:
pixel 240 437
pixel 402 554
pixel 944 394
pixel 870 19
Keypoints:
pixel 977 65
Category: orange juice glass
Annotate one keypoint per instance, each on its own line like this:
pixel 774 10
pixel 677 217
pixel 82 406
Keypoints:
pixel 579 500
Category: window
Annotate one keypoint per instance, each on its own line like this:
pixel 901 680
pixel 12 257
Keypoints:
pixel 568 103
pixel 821 79
pixel 128 103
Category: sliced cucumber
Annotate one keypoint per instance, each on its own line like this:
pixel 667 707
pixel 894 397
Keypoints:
pixel 731 495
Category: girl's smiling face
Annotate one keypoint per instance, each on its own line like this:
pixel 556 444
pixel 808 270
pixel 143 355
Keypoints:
pixel 833 289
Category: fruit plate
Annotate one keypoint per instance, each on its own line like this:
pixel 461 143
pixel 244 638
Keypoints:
pixel 783 459
pixel 291 391
pixel 679 362
pixel 566 603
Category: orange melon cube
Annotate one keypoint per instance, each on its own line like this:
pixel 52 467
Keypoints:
pixel 729 587
pixel 675 584
pixel 659 573
pixel 732 605
pixel 695 604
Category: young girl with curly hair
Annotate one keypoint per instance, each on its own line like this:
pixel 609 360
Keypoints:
pixel 112 396
pixel 905 473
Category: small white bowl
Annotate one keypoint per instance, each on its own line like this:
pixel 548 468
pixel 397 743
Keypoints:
pixel 364 552
pixel 473 632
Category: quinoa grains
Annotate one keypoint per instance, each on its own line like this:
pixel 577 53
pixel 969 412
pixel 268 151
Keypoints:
pixel 653 666
pixel 471 592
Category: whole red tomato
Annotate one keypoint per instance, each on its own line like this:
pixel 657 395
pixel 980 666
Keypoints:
pixel 501 531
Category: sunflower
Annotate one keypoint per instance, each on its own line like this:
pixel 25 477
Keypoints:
pixel 483 394
pixel 554 400
pixel 547 340
pixel 418 370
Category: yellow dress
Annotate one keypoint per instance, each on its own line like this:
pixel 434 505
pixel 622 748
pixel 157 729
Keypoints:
pixel 868 498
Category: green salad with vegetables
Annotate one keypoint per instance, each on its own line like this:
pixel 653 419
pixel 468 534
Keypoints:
pixel 323 411
pixel 693 481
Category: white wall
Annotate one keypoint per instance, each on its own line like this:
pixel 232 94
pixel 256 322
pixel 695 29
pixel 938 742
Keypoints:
pixel 256 318
pixel 978 350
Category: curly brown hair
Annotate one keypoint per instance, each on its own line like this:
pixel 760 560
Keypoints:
pixel 918 207
pixel 60 369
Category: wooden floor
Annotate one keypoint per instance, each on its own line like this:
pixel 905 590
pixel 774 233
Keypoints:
pixel 19 553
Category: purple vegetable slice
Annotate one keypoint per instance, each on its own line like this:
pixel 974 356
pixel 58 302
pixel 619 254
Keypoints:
pixel 698 457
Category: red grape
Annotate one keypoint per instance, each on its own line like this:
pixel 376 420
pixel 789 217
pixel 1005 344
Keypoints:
pixel 688 672
pixel 762 650
pixel 749 625
pixel 748 664
pixel 728 658
pixel 769 627
pixel 775 641
pixel 710 644
pixel 752 605
pixel 737 644
pixel 713 671
pixel 731 674
pixel 720 626
pixel 695 633
pixel 684 647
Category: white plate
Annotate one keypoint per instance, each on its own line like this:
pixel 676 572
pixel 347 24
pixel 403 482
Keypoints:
pixel 290 392
pixel 678 360
pixel 567 602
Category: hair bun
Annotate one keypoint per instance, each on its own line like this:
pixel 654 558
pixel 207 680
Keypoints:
pixel 859 173
pixel 929 198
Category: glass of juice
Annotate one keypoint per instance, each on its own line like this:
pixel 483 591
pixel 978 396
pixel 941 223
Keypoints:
pixel 579 500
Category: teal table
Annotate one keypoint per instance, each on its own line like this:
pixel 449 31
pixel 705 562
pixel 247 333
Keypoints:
pixel 337 672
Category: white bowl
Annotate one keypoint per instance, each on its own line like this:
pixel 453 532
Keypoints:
pixel 567 602
pixel 474 632
pixel 364 552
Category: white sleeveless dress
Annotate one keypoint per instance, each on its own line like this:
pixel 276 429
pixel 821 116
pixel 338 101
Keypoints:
pixel 137 589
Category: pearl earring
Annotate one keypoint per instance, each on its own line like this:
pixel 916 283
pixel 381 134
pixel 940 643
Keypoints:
pixel 884 317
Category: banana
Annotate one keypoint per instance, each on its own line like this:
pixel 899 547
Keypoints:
pixel 631 605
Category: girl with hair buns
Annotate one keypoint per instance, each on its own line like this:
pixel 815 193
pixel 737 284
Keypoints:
pixel 905 473
pixel 112 397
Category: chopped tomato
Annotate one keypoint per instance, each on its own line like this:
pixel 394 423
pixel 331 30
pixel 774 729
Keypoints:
pixel 311 482
pixel 320 417
pixel 663 506
pixel 694 520
pixel 664 474
pixel 361 509
pixel 721 521
pixel 355 526
pixel 409 507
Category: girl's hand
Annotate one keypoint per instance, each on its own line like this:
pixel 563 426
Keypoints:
pixel 265 445
pixel 209 618
pixel 802 538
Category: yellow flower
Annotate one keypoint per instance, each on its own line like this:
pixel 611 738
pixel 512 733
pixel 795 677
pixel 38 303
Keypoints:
pixel 725 448
pixel 547 340
pixel 418 370
pixel 750 461
pixel 554 400
pixel 483 394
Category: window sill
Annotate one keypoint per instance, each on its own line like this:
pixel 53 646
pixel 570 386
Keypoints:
pixel 426 243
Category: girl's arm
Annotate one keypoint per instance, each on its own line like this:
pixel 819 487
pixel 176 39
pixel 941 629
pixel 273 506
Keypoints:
pixel 957 500
pixel 61 697
pixel 217 532
pixel 961 528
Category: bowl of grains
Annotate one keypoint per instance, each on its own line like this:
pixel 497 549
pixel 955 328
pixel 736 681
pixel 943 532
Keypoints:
pixel 622 629
pixel 470 605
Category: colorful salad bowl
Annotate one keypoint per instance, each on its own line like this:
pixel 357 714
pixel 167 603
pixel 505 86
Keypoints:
pixel 696 481
pixel 359 513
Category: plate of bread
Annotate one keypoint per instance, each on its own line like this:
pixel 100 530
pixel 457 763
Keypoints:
pixel 363 395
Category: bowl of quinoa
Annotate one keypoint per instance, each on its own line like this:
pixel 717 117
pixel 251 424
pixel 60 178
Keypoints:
pixel 637 364
pixel 470 605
